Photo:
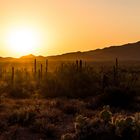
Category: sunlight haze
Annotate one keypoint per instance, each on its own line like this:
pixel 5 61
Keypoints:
pixel 49 27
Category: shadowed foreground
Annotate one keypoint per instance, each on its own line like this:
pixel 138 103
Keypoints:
pixel 68 119
pixel 77 101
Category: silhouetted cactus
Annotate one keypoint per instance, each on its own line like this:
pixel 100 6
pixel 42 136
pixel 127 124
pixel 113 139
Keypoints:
pixel 46 65
pixel 77 65
pixel 13 74
pixel 80 64
pixel 39 74
pixel 41 71
pixel 0 72
pixel 117 63
pixel 115 72
pixel 35 66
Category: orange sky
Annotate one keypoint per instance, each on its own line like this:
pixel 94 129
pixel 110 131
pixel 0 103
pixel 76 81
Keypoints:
pixel 71 25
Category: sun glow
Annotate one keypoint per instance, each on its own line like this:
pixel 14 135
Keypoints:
pixel 23 40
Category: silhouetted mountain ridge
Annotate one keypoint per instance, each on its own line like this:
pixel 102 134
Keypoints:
pixel 130 51
pixel 28 56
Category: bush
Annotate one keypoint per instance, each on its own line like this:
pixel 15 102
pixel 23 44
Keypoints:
pixel 67 81
pixel 105 114
pixel 44 127
pixel 19 92
pixel 118 96
pixel 68 136
pixel 93 129
pixel 23 117
pixel 101 127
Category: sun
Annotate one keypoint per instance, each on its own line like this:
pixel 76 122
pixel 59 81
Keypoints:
pixel 23 40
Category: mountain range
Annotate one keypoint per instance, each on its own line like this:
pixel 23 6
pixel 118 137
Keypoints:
pixel 130 51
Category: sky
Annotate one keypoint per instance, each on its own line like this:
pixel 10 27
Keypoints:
pixel 70 25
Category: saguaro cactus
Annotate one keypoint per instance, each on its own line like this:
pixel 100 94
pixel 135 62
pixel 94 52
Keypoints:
pixel 13 74
pixel 77 65
pixel 117 63
pixel 41 71
pixel 35 66
pixel 115 72
pixel 116 67
pixel 0 72
pixel 46 65
pixel 39 74
pixel 80 64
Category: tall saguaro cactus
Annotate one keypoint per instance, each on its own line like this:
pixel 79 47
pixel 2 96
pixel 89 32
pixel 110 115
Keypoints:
pixel 46 65
pixel 116 63
pixel 0 72
pixel 13 74
pixel 39 75
pixel 77 65
pixel 116 67
pixel 115 72
pixel 35 66
pixel 80 64
pixel 41 71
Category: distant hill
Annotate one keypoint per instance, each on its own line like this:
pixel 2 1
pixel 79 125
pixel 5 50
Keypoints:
pixel 130 51
pixel 30 56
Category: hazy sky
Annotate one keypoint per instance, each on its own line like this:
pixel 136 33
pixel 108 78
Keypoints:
pixel 72 25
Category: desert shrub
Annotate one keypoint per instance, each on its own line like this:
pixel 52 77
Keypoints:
pixel 106 114
pixel 70 109
pixel 78 83
pixel 93 103
pixel 53 115
pixel 44 127
pixel 19 92
pixel 3 87
pixel 69 82
pixel 3 125
pixel 50 87
pixel 125 128
pixel 93 129
pixel 23 117
pixel 137 117
pixel 118 96
pixel 36 95
pixel 105 126
pixel 68 136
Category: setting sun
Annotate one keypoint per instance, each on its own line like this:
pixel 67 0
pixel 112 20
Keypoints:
pixel 23 40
